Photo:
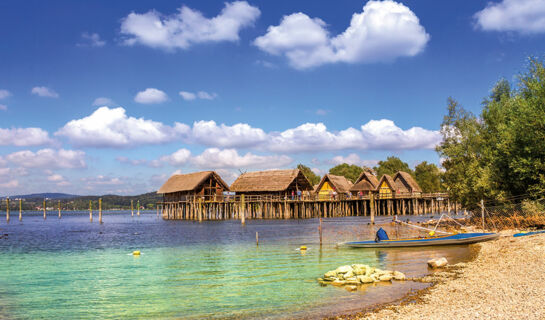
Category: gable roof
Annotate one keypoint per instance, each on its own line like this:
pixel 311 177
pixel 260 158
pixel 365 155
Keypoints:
pixel 365 176
pixel 270 181
pixel 340 183
pixel 189 181
pixel 389 181
pixel 406 182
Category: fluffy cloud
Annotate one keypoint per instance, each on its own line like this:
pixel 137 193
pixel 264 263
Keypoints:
pixel 44 92
pixel 178 158
pixel 24 137
pixel 113 128
pixel 48 158
pixel 525 16
pixel 383 31
pixel 151 96
pixel 187 27
pixel 229 158
pixel 190 96
pixel 91 40
pixel 9 184
pixel 103 101
pixel 239 135
pixel 4 94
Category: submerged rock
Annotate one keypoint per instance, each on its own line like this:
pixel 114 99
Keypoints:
pixel 365 279
pixel 385 277
pixel 400 276
pixel 355 275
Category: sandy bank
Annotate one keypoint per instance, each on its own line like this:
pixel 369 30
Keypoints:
pixel 505 281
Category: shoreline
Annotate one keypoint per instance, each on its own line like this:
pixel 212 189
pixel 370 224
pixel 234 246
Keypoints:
pixel 503 281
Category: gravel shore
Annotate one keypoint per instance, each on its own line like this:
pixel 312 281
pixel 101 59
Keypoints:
pixel 505 281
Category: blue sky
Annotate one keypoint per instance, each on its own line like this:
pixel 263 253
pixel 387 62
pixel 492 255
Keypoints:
pixel 113 97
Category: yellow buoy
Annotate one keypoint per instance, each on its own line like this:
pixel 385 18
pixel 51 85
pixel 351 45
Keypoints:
pixel 303 248
pixel 136 253
pixel 432 233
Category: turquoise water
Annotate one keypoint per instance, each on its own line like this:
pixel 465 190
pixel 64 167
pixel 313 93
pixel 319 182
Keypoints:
pixel 71 268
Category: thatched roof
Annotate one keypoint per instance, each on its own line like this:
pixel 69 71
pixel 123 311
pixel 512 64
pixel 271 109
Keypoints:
pixel 365 182
pixel 189 182
pixel 406 183
pixel 340 183
pixel 270 181
pixel 389 181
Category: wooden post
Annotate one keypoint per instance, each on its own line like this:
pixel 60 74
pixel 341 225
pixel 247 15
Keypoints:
pixel 20 209
pixel 256 238
pixel 100 210
pixel 138 208
pixel 482 212
pixel 44 209
pixel 91 210
pixel 7 210
pixel 242 210
pixel 132 209
pixel 200 209
pixel 157 208
pixel 448 206
pixel 320 231
pixel 59 209
pixel 372 204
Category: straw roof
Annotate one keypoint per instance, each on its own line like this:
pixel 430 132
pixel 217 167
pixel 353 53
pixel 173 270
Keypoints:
pixel 340 183
pixel 270 181
pixel 389 181
pixel 189 181
pixel 365 182
pixel 406 182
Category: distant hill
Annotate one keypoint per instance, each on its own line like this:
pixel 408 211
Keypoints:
pixel 52 196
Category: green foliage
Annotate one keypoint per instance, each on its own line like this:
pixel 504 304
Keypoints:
pixel 428 177
pixel 390 166
pixel 501 154
pixel 349 171
pixel 311 176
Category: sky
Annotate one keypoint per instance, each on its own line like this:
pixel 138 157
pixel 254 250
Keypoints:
pixel 113 97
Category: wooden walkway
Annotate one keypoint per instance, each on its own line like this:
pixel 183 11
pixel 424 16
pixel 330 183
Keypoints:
pixel 271 207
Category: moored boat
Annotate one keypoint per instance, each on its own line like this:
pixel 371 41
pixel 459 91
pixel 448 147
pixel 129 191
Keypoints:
pixel 452 239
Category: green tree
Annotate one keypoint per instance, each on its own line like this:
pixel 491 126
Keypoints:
pixel 428 177
pixel 311 176
pixel 390 166
pixel 349 171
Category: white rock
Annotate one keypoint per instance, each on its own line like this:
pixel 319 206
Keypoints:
pixel 438 263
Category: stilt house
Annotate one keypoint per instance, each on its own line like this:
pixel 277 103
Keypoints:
pixel 405 183
pixel 366 184
pixel 272 182
pixel 386 187
pixel 330 183
pixel 207 185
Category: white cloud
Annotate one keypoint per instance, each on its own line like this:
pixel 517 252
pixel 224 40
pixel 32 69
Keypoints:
pixel 239 135
pixel 4 94
pixel 188 96
pixel 229 158
pixel 102 180
pixel 524 16
pixel 383 31
pixel 151 96
pixel 140 162
pixel 321 112
pixel 48 158
pixel 113 128
pixel 187 27
pixel 3 107
pixel 44 92
pixel 24 137
pixel 353 159
pixel 178 158
pixel 9 184
pixel 55 178
pixel 103 101
pixel 91 40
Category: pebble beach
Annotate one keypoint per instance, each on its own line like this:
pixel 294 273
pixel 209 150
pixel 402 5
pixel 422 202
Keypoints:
pixel 505 281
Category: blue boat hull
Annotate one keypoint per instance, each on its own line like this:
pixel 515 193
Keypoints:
pixel 461 238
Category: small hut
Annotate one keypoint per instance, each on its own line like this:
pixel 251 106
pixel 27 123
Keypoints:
pixel 405 183
pixel 272 182
pixel 366 184
pixel 331 183
pixel 204 184
pixel 386 187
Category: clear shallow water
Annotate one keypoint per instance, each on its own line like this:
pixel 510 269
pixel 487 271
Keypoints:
pixel 71 268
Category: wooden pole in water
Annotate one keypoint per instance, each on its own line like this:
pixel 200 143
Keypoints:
pixel 372 204
pixel 200 209
pixel 138 208
pixel 256 238
pixel 59 209
pixel 44 209
pixel 20 209
pixel 132 210
pixel 91 210
pixel 100 210
pixel 320 231
pixel 7 210
pixel 242 210
pixel 482 212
